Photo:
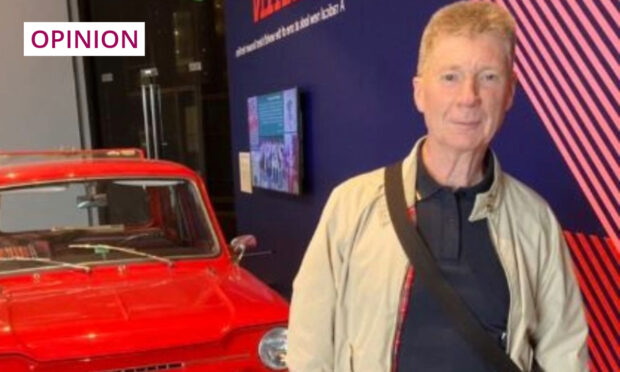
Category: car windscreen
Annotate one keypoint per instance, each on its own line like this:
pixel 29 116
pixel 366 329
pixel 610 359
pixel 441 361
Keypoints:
pixel 84 221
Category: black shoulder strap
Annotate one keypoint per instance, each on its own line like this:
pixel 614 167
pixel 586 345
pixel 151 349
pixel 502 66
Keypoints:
pixel 425 265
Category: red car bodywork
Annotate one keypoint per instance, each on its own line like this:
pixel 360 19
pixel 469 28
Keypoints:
pixel 202 314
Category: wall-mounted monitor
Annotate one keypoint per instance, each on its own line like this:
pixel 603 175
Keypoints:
pixel 275 141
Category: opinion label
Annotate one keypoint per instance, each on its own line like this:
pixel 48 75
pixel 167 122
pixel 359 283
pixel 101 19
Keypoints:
pixel 83 38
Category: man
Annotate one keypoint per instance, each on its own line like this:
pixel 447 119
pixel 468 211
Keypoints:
pixel 357 303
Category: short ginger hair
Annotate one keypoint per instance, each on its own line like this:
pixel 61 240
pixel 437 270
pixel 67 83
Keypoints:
pixel 468 19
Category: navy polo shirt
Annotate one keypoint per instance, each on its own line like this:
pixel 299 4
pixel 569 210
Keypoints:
pixel 466 257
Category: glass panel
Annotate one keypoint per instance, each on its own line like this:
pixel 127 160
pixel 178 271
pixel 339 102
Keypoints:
pixel 157 94
pixel 90 219
pixel 185 45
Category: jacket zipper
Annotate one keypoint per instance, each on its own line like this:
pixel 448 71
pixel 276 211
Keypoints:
pixel 508 282
pixel 403 305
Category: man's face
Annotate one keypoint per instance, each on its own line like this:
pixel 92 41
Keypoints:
pixel 464 90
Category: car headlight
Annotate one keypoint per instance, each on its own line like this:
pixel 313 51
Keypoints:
pixel 272 348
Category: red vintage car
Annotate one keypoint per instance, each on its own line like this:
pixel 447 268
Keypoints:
pixel 112 262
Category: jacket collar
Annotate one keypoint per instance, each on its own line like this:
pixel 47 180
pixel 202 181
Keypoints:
pixel 486 202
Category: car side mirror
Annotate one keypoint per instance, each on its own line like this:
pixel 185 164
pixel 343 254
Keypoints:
pixel 240 244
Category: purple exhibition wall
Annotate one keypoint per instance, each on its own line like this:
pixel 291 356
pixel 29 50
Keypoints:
pixel 353 62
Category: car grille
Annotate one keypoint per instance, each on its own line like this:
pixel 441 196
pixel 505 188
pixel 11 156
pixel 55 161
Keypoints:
pixel 150 368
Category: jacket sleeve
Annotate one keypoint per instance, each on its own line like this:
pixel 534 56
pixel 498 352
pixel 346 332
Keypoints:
pixel 561 335
pixel 311 320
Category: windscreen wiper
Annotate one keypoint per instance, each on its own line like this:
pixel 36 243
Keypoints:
pixel 105 248
pixel 46 261
pixel 141 235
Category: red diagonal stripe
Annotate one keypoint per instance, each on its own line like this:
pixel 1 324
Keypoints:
pixel 594 346
pixel 614 248
pixel 596 343
pixel 610 264
pixel 591 278
pixel 596 318
pixel 595 333
pixel 594 281
pixel 592 366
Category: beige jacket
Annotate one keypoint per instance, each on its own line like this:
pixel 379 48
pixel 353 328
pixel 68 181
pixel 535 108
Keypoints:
pixel 346 296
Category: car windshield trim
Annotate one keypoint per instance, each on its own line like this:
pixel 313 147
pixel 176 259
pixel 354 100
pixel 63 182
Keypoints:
pixel 48 261
pixel 107 247
pixel 148 182
pixel 35 189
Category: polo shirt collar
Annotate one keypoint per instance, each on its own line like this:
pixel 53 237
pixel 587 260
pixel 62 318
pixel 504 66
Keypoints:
pixel 426 186
pixel 486 202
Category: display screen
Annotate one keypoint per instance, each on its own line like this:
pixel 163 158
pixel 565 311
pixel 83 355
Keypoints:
pixel 275 141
